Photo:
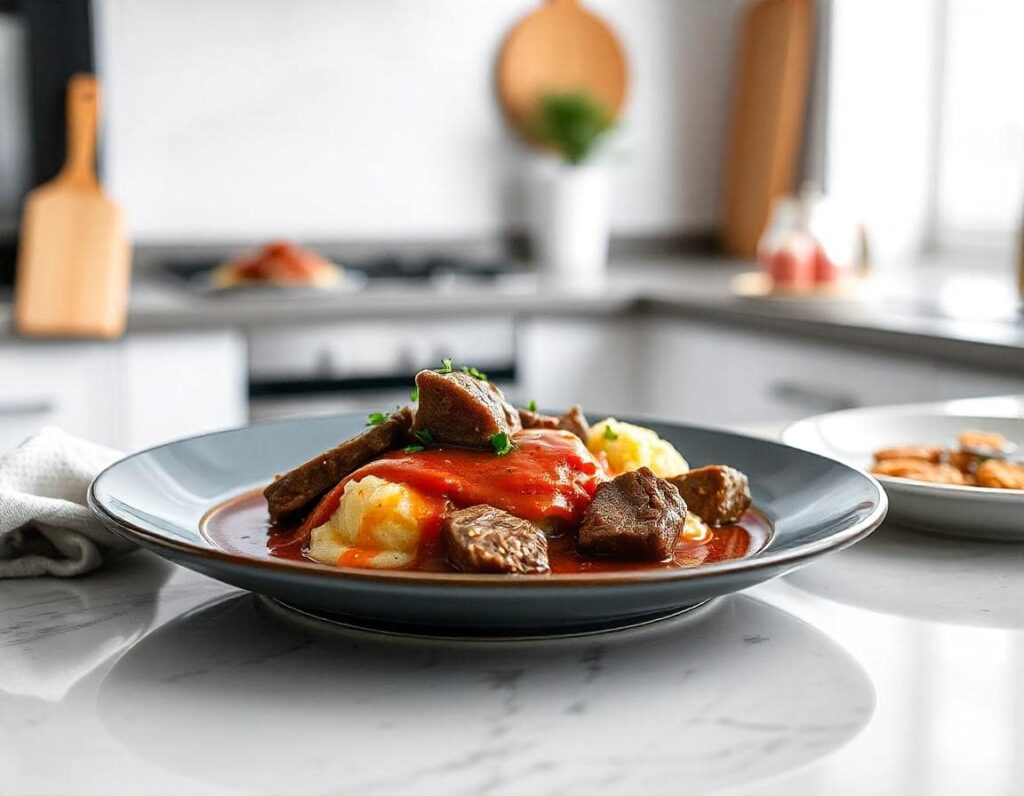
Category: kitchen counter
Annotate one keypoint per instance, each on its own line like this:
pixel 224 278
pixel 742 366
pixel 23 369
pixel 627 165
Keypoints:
pixel 892 667
pixel 931 310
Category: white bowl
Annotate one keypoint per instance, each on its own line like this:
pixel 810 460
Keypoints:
pixel 852 436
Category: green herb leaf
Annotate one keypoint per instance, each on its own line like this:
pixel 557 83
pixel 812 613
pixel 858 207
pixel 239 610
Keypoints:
pixel 376 418
pixel 572 123
pixel 610 433
pixel 532 406
pixel 424 436
pixel 415 394
pixel 501 443
pixel 446 366
pixel 413 449
pixel 476 374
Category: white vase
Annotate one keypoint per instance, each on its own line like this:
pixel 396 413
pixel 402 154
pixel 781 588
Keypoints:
pixel 570 220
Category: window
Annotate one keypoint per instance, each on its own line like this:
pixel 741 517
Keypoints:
pixel 979 189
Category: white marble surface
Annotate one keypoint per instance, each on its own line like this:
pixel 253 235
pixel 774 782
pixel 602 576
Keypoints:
pixel 893 667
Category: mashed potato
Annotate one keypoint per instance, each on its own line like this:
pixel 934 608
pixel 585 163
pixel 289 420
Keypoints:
pixel 628 447
pixel 378 524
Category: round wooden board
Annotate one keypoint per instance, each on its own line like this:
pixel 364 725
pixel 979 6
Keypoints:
pixel 560 47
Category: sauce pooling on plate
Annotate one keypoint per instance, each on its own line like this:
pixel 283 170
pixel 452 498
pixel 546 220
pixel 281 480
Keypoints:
pixel 242 526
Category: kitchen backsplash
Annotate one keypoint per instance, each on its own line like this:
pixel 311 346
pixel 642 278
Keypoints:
pixel 347 119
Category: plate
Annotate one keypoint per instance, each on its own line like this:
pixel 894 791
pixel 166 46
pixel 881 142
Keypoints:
pixel 158 498
pixel 852 436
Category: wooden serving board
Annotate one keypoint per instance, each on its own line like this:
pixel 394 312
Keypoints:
pixel 560 47
pixel 73 261
pixel 770 87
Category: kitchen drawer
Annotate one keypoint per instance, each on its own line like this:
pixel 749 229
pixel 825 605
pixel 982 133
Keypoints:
pixel 599 363
pixel 71 385
pixel 710 374
pixel 126 394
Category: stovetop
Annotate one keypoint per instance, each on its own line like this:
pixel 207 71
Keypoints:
pixel 383 268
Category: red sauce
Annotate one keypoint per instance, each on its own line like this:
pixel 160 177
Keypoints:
pixel 242 525
pixel 548 475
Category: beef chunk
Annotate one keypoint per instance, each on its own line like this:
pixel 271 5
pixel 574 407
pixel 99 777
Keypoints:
pixel 717 494
pixel 636 515
pixel 486 539
pixel 510 412
pixel 460 410
pixel 301 486
pixel 574 420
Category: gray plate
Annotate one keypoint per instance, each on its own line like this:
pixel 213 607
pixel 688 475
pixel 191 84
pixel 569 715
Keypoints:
pixel 158 497
pixel 853 435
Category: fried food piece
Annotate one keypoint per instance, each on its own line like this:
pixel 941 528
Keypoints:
pixel 920 470
pixel 927 453
pixel 999 474
pixel 966 463
pixel 986 440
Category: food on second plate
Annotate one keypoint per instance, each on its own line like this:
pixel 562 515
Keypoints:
pixel 920 470
pixel 471 484
pixel 627 447
pixel 717 493
pixel 279 263
pixel 486 539
pixel 978 461
pixel 998 474
pixel 635 515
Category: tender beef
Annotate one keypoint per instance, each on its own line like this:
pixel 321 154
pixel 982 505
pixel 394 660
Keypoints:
pixel 636 515
pixel 717 494
pixel 458 409
pixel 301 486
pixel 510 412
pixel 486 539
pixel 574 420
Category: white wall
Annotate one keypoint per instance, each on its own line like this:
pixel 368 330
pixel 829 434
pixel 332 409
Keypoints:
pixel 355 119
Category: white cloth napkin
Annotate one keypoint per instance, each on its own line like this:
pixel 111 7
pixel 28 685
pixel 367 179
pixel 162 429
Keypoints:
pixel 45 526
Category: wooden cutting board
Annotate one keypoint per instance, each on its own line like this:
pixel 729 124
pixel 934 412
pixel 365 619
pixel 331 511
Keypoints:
pixel 560 47
pixel 74 257
pixel 773 70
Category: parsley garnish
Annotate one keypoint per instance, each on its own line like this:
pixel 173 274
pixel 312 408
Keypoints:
pixel 610 433
pixel 532 406
pixel 501 443
pixel 476 374
pixel 446 366
pixel 415 394
pixel 424 436
pixel 376 418
pixel 413 449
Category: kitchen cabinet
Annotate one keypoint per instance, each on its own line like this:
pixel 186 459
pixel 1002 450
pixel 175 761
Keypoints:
pixel 702 372
pixel 127 394
pixel 596 362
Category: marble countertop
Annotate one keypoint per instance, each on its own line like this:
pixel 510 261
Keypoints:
pixel 933 309
pixel 892 667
